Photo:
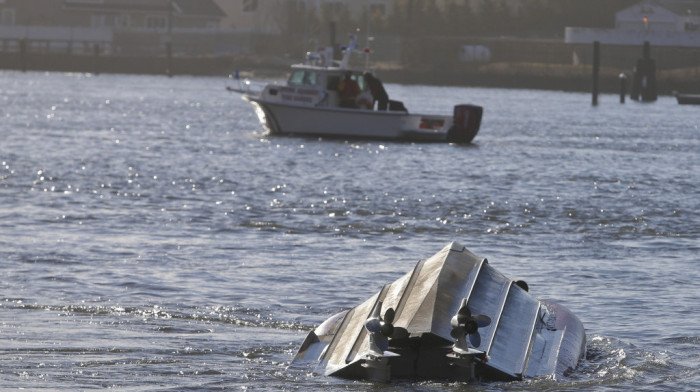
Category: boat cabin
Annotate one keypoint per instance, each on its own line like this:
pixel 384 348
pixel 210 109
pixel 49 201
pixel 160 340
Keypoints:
pixel 317 86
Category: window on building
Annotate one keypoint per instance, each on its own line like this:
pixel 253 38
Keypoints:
pixel 250 5
pixel 156 22
pixel 109 20
pixel 7 17
pixel 97 20
pixel 123 21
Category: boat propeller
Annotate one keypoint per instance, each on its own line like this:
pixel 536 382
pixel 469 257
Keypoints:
pixel 464 324
pixel 381 329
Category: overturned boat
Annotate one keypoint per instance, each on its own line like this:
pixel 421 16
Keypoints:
pixel 454 317
pixel 687 99
pixel 314 103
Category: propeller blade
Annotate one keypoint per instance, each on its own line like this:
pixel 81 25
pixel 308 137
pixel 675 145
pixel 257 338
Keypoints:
pixel 389 315
pixel 458 332
pixel 482 320
pixel 470 326
pixel 475 339
pixel 464 312
pixel 386 329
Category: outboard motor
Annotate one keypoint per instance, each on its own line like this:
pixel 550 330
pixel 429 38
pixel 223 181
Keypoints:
pixel 466 123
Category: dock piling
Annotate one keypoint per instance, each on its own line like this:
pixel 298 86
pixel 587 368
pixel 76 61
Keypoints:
pixel 23 55
pixel 644 83
pixel 596 71
pixel 96 50
pixel 169 56
pixel 623 87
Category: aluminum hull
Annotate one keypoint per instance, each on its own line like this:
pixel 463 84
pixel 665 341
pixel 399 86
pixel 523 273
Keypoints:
pixel 525 338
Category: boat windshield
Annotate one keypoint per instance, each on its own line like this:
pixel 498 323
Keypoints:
pixel 334 80
pixel 360 81
pixel 302 78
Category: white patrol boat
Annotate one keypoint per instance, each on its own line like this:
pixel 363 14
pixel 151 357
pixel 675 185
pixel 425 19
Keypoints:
pixel 313 102
pixel 453 317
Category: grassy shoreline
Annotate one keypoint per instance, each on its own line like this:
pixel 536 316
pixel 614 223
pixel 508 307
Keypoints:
pixel 530 75
pixel 541 76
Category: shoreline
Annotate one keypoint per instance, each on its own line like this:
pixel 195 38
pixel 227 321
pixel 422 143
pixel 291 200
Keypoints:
pixel 517 75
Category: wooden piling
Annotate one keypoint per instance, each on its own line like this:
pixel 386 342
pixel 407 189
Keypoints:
pixel 623 87
pixel 96 49
pixel 596 71
pixel 644 83
pixel 23 55
pixel 169 59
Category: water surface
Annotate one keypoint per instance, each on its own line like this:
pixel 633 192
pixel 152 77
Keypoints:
pixel 152 237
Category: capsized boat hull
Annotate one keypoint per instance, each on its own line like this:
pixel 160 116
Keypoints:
pixel 688 99
pixel 286 119
pixel 524 337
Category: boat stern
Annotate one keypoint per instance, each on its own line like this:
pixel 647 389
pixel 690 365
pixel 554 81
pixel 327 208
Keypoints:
pixel 452 317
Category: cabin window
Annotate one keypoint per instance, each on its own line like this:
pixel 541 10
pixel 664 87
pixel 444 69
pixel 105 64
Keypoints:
pixel 310 78
pixel 301 78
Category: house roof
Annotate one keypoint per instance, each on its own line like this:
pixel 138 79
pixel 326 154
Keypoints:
pixel 183 7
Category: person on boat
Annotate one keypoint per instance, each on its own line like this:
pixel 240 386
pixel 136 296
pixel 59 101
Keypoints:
pixel 349 90
pixel 378 93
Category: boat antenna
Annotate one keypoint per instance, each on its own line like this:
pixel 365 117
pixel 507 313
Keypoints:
pixel 347 51
pixel 368 52
pixel 367 36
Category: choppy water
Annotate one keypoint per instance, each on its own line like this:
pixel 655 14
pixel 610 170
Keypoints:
pixel 153 238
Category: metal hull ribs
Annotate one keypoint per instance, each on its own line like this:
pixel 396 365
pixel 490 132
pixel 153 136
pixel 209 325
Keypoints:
pixel 525 337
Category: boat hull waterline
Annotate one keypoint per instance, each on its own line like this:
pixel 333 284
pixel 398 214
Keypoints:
pixel 287 119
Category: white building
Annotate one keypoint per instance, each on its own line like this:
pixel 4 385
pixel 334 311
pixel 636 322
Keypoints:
pixel 661 22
